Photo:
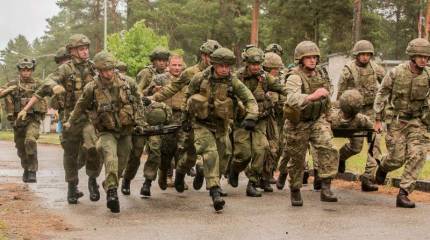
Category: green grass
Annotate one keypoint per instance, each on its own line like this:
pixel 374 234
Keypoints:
pixel 51 138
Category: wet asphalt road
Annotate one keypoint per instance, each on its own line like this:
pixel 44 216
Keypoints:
pixel 170 215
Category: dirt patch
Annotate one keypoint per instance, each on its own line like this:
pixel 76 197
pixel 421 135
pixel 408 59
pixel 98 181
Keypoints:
pixel 416 196
pixel 21 216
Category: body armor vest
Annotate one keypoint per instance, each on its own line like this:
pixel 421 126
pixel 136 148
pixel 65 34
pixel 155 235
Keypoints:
pixel 365 80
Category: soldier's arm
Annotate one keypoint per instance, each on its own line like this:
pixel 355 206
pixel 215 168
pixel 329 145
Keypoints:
pixel 139 118
pixel 145 81
pixel 383 93
pixel 83 104
pixel 380 73
pixel 173 87
pixel 245 95
pixel 295 97
pixel 7 89
pixel 276 86
pixel 342 85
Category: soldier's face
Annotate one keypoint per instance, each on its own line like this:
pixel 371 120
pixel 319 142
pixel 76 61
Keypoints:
pixel 364 58
pixel 222 70
pixel 310 62
pixel 107 74
pixel 274 72
pixel 25 73
pixel 160 64
pixel 82 52
pixel 254 68
pixel 175 66
pixel 421 61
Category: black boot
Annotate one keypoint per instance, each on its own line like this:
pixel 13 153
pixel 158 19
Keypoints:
pixel 125 186
pixel 146 188
pixel 222 193
pixel 305 177
pixel 192 172
pixel 280 183
pixel 31 177
pixel 380 176
pixel 179 181
pixel 367 185
pixel 198 179
pixel 25 176
pixel 93 188
pixel 403 201
pixel 326 194
pixel 296 198
pixel 112 201
pixel 251 190
pixel 162 179
pixel 265 185
pixel 218 202
pixel 72 193
pixel 343 155
pixel 317 180
pixel 233 178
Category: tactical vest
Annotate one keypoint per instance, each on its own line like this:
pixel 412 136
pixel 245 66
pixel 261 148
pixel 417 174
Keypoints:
pixel 115 107
pixel 161 80
pixel 17 100
pixel 409 92
pixel 365 80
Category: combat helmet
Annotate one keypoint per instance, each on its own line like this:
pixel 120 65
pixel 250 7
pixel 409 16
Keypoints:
pixel 159 53
pixel 363 46
pixel 104 60
pixel 306 48
pixel 61 54
pixel 272 60
pixel 223 56
pixel 252 54
pixel 275 48
pixel 418 46
pixel 209 46
pixel 26 63
pixel 77 40
pixel 351 102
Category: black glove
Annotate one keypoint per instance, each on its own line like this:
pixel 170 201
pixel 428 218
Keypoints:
pixel 186 126
pixel 249 124
pixel 146 101
pixel 138 130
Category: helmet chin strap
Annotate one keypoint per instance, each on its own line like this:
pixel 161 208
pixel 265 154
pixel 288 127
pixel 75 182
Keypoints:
pixel 416 65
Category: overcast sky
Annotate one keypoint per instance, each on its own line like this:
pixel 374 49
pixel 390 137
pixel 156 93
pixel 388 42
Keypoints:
pixel 26 17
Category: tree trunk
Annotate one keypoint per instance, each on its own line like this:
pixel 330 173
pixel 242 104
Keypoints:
pixel 356 24
pixel 427 27
pixel 254 26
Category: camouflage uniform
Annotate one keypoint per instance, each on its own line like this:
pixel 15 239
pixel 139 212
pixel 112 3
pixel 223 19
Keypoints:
pixel 26 132
pixel 210 107
pixel 366 80
pixel 402 103
pixel 144 77
pixel 118 108
pixel 306 123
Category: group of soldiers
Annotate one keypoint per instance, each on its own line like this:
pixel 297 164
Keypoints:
pixel 211 121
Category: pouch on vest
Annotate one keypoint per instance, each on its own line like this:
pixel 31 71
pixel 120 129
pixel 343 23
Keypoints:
pixel 223 105
pixel 293 115
pixel 198 106
pixel 126 115
pixel 106 118
pixel 155 114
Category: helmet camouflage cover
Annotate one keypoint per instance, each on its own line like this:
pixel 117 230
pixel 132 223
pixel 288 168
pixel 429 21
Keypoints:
pixel 223 56
pixel 210 46
pixel 275 48
pixel 78 40
pixel 121 66
pixel 26 63
pixel 272 60
pixel 363 46
pixel 306 48
pixel 252 54
pixel 104 60
pixel 418 46
pixel 159 53
pixel 351 102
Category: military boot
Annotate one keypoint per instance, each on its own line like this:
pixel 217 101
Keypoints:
pixel 179 181
pixel 192 172
pixel 198 179
pixel 265 185
pixel 169 180
pixel 162 179
pixel 367 185
pixel 146 188
pixel 326 194
pixel 112 201
pixel 25 176
pixel 233 178
pixel 218 202
pixel 222 192
pixel 296 198
pixel 31 177
pixel 380 176
pixel 305 177
pixel 343 155
pixel 317 180
pixel 280 183
pixel 251 190
pixel 73 193
pixel 93 188
pixel 403 201
pixel 125 186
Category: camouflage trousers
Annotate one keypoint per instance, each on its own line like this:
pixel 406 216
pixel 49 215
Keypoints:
pixel 114 149
pixel 25 138
pixel 297 139
pixel 133 163
pixel 407 146
pixel 212 147
pixel 251 149
pixel 79 144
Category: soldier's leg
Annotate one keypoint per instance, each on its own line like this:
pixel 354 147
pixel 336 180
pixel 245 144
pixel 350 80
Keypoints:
pixel 225 153
pixel 371 163
pixel 19 138
pixel 168 150
pixel 30 142
pixel 261 151
pixel 124 149
pixel 351 148
pixel 321 139
pixel 133 162
pixel 188 157
pixel 152 164
pixel 93 163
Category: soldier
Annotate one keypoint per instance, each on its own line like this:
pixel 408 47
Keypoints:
pixel 402 103
pixel 66 85
pixel 159 58
pixel 252 148
pixel 210 110
pixel 61 56
pixel 121 67
pixel 185 145
pixel 307 103
pixel 364 75
pixel 274 48
pixel 119 110
pixel 26 131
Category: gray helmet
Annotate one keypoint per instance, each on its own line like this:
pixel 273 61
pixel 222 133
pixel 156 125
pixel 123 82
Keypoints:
pixel 223 56
pixel 306 48
pixel 275 48
pixel 121 66
pixel 77 40
pixel 209 46
pixel 351 102
pixel 61 55
pixel 155 114
pixel 272 60
pixel 159 53
pixel 26 63
pixel 252 54
pixel 363 46
pixel 104 60
pixel 418 46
